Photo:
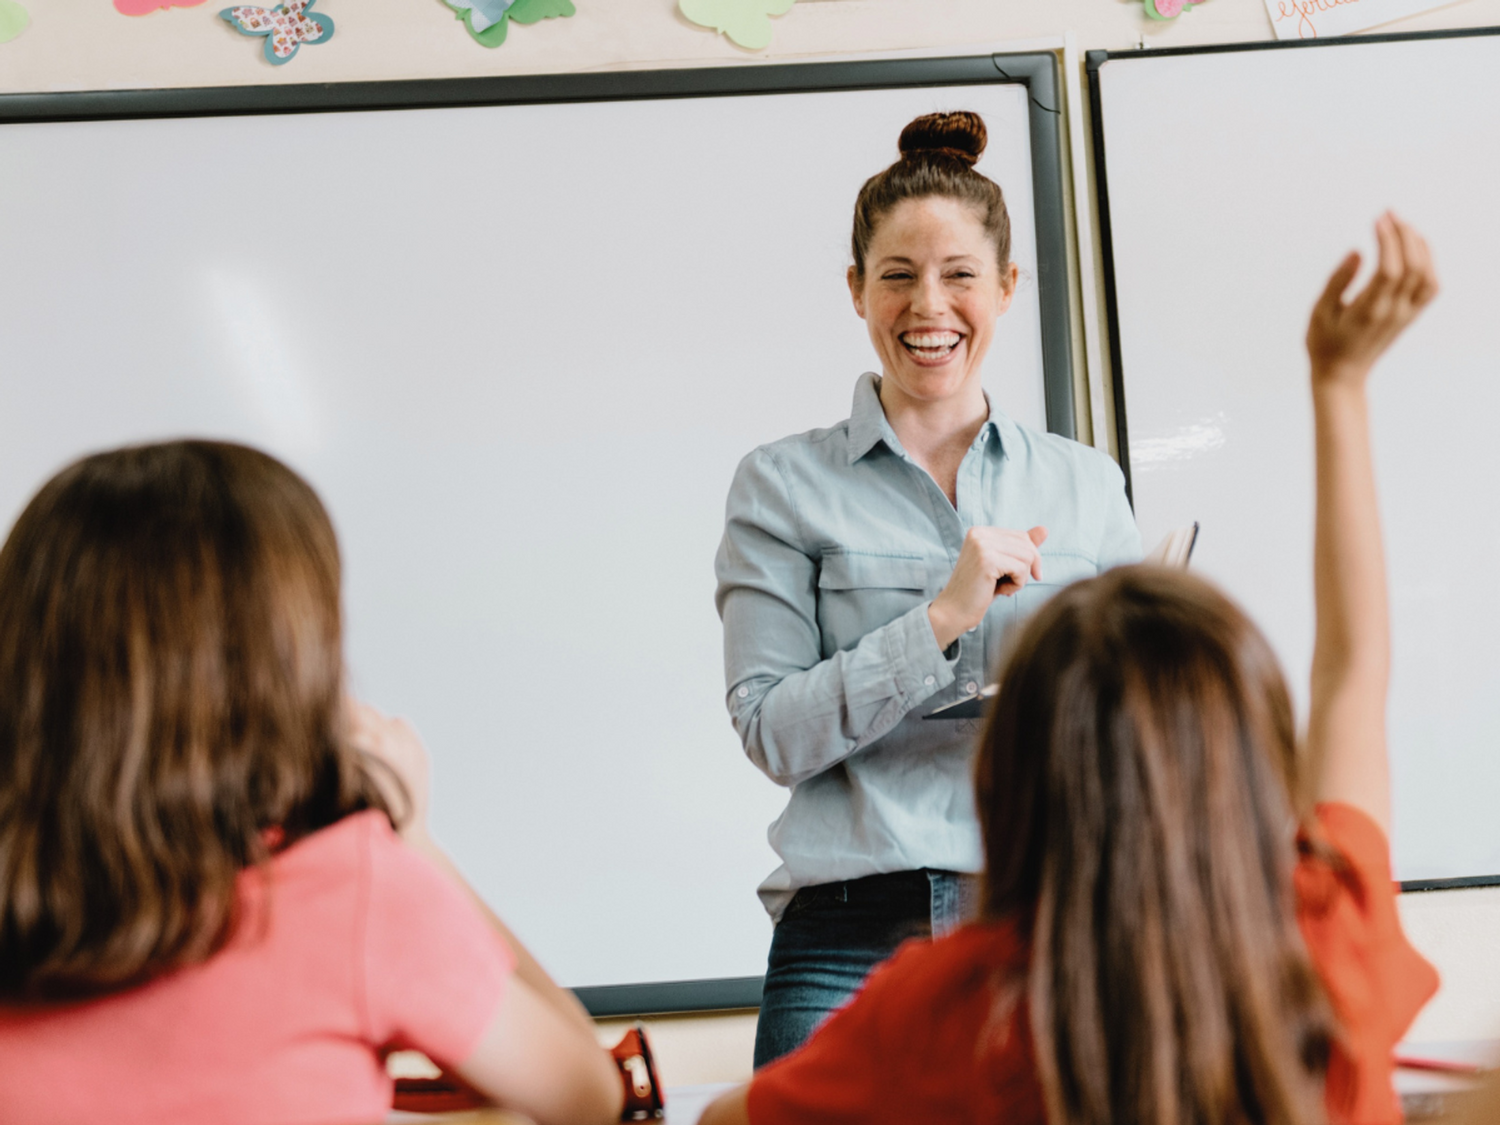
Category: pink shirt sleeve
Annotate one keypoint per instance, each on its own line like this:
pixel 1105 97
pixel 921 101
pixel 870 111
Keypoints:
pixel 434 969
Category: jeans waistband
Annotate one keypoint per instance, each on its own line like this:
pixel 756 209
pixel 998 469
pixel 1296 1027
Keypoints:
pixel 881 886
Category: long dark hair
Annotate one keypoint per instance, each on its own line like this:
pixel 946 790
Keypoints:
pixel 171 691
pixel 1135 789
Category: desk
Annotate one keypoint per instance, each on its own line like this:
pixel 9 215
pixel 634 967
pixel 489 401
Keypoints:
pixel 1429 1094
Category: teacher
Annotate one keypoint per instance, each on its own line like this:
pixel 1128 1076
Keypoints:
pixel 869 573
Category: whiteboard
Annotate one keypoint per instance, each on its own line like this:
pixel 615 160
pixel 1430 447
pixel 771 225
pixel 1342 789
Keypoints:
pixel 519 350
pixel 1237 180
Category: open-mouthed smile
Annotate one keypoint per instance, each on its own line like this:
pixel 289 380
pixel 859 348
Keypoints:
pixel 931 345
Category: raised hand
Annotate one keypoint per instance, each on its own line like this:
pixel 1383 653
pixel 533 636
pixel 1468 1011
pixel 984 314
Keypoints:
pixel 993 561
pixel 1346 734
pixel 1344 338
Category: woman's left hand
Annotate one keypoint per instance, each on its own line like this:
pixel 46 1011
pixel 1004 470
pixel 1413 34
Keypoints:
pixel 395 744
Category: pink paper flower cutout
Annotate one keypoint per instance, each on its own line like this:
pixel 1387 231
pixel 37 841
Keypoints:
pixel 146 7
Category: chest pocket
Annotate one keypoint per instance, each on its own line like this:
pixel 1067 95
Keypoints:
pixel 859 592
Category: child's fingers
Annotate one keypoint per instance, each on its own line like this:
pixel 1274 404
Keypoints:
pixel 1392 262
pixel 1417 260
pixel 1427 284
pixel 1375 302
pixel 1333 293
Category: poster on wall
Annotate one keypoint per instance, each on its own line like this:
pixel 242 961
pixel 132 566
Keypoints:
pixel 1319 19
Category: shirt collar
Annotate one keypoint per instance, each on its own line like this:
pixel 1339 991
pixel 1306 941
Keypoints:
pixel 868 424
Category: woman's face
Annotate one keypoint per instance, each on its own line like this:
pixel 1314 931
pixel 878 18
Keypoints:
pixel 930 295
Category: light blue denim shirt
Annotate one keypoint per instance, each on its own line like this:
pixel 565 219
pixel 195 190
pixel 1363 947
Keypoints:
pixel 835 542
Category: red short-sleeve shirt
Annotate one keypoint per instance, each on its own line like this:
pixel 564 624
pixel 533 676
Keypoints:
pixel 365 947
pixel 906 1048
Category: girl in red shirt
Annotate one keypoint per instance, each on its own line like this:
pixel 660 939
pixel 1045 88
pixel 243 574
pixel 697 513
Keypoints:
pixel 205 914
pixel 1187 920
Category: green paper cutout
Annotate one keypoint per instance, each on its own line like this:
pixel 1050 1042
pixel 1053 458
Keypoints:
pixel 746 22
pixel 13 20
pixel 530 11
pixel 522 11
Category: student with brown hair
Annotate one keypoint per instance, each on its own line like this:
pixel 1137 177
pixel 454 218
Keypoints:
pixel 205 913
pixel 1186 921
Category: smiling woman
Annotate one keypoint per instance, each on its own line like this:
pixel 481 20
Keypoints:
pixel 867 575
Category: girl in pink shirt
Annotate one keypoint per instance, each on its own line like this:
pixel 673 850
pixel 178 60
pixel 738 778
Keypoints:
pixel 205 912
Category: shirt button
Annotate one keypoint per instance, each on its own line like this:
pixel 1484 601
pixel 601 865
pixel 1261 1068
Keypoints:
pixel 742 692
pixel 984 435
pixel 930 680
pixel 972 628
pixel 971 687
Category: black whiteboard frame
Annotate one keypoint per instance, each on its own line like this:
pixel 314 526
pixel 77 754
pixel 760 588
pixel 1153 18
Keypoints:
pixel 1093 61
pixel 1039 72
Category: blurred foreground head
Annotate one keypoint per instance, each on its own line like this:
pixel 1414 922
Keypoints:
pixel 1135 789
pixel 171 696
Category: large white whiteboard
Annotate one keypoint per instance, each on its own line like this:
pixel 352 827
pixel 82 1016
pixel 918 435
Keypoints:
pixel 1236 183
pixel 519 351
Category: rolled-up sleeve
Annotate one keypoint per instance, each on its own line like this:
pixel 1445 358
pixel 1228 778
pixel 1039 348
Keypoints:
pixel 797 713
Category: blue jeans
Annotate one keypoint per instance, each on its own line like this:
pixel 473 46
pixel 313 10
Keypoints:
pixel 833 934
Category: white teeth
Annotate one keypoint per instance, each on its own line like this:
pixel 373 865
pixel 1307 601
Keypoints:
pixel 931 341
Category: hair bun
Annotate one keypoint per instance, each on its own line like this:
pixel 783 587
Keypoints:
pixel 961 136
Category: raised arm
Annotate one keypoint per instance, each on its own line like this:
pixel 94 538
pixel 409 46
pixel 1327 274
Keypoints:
pixel 1351 653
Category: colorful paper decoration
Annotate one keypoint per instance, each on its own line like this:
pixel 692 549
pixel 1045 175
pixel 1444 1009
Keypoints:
pixel 13 20
pixel 146 7
pixel 1168 9
pixel 285 27
pixel 747 22
pixel 487 20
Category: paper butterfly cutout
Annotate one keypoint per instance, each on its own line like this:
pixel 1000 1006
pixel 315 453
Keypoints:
pixel 285 27
pixel 488 20
pixel 747 22
pixel 1168 9
pixel 146 7
pixel 13 20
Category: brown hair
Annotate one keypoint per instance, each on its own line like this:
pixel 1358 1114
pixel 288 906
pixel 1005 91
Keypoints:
pixel 938 154
pixel 170 692
pixel 1134 787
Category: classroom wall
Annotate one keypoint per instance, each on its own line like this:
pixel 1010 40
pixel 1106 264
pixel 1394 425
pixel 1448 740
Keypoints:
pixel 76 46
pixel 73 46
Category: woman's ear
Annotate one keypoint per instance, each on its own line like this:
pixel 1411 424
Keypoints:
pixel 857 291
pixel 1008 288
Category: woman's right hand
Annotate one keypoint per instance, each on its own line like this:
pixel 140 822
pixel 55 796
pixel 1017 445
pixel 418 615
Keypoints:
pixel 993 561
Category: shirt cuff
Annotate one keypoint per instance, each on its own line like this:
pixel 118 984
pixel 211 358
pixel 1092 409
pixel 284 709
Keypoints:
pixel 921 667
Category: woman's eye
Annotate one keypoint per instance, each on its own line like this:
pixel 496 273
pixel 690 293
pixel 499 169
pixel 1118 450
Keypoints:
pixel 897 275
pixel 963 275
